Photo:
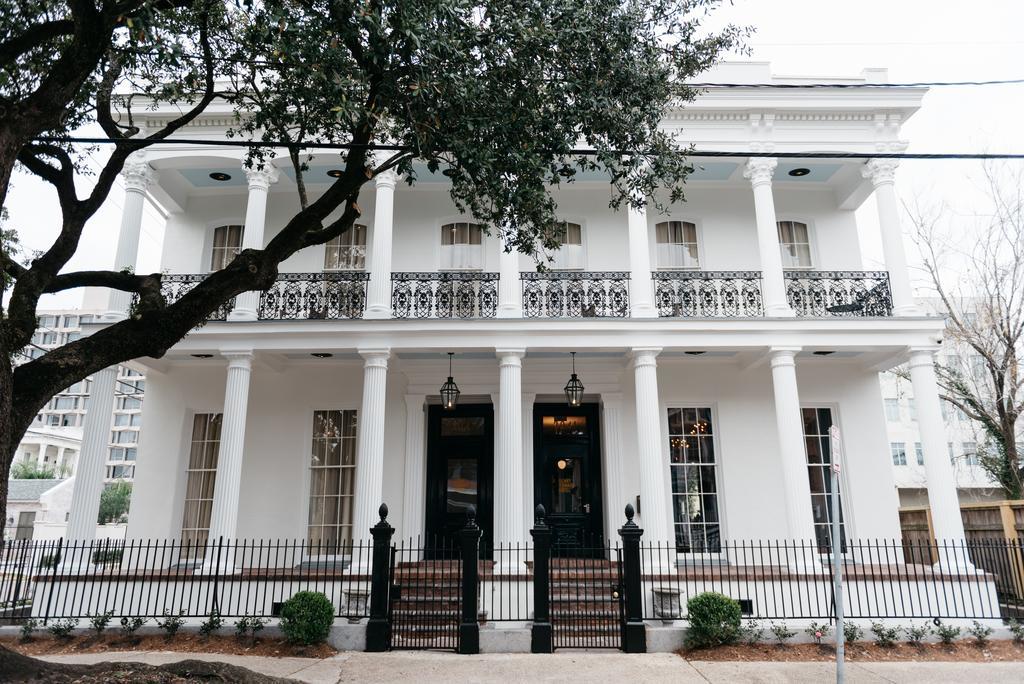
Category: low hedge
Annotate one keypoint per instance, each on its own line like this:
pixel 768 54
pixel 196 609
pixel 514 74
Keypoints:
pixel 306 618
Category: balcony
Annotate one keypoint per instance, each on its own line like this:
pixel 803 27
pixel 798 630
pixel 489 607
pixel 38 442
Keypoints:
pixel 707 294
pixel 444 294
pixel 839 294
pixel 575 294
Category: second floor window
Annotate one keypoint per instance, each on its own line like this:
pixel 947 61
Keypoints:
pixel 892 410
pixel 347 252
pixel 899 453
pixel 677 245
pixel 462 246
pixel 227 242
pixel 795 244
pixel 569 256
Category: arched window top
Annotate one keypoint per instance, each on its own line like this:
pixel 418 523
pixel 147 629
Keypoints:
pixel 346 252
pixel 677 245
pixel 794 244
pixel 227 243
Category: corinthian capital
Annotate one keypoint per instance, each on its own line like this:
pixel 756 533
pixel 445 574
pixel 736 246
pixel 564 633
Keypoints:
pixel 137 173
pixel 759 170
pixel 387 179
pixel 262 177
pixel 880 171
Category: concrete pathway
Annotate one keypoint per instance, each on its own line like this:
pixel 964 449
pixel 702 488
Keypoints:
pixel 583 666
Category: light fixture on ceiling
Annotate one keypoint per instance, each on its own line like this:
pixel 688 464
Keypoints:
pixel 696 352
pixel 449 390
pixel 574 388
pixel 828 352
pixel 220 176
pixel 802 171
pixel 321 355
pixel 202 356
pixel 335 173
pixel 562 464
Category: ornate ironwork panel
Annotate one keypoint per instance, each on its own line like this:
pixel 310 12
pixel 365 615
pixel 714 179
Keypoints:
pixel 444 294
pixel 314 296
pixel 174 286
pixel 826 294
pixel 575 294
pixel 707 294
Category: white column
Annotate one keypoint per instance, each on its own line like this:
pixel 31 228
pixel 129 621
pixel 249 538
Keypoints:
pixel 136 176
pixel 413 508
pixel 615 497
pixel 773 286
pixel 655 506
pixel 370 443
pixel 528 493
pixel 641 288
pixel 510 301
pixel 378 298
pixel 92 460
pixel 227 487
pixel 260 180
pixel 508 457
pixel 793 455
pixel 882 173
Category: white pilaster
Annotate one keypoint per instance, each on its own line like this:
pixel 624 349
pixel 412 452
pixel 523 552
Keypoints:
pixel 370 443
pixel 614 453
pixel 136 176
pixel 773 285
pixel 641 288
pixel 378 297
pixel 882 173
pixel 528 493
pixel 508 458
pixel 510 301
pixel 654 503
pixel 227 487
pixel 793 456
pixel 92 459
pixel 413 507
pixel 260 180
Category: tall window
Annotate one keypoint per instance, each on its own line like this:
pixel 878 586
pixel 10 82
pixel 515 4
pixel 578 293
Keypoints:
pixel 892 410
pixel 201 475
pixel 677 245
pixel 899 453
pixel 919 453
pixel 462 246
pixel 694 483
pixel 569 256
pixel 970 453
pixel 912 409
pixel 332 473
pixel 227 242
pixel 817 422
pixel 347 252
pixel 795 244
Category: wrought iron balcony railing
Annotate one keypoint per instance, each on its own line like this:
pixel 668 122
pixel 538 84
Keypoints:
pixel 174 286
pixel 575 294
pixel 824 294
pixel 707 294
pixel 314 296
pixel 444 294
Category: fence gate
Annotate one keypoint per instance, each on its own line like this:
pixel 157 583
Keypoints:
pixel 425 601
pixel 586 595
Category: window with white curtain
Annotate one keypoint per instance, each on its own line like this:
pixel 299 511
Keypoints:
pixel 462 246
pixel 332 473
pixel 227 243
pixel 568 257
pixel 347 252
pixel 200 479
pixel 677 245
pixel 795 244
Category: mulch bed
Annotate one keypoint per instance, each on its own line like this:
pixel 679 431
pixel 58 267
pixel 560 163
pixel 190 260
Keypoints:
pixel 186 642
pixel 863 651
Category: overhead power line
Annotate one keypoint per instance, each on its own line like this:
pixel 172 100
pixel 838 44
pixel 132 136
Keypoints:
pixel 917 84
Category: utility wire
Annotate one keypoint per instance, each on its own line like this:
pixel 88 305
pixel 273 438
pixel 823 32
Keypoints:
pixel 919 84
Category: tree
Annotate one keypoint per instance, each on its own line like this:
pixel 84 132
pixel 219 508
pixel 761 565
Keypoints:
pixel 980 282
pixel 496 95
pixel 33 470
pixel 115 502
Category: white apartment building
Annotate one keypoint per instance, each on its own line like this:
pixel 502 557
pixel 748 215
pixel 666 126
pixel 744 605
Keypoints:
pixel 716 346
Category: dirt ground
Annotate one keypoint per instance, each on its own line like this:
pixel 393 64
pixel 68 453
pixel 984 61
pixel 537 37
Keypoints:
pixel 863 651
pixel 44 644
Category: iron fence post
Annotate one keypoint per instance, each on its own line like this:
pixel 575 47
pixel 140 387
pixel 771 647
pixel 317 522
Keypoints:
pixel 378 629
pixel 469 628
pixel 634 633
pixel 540 634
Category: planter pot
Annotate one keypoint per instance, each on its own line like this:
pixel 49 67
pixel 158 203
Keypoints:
pixel 355 603
pixel 667 605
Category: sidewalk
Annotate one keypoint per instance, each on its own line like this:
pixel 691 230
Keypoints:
pixel 585 666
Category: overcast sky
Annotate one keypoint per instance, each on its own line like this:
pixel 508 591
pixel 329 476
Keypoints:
pixel 917 40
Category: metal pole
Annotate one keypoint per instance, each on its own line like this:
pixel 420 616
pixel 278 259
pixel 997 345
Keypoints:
pixel 837 549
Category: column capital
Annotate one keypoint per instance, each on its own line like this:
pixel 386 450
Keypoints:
pixel 238 358
pixel 415 401
pixel 644 356
pixel 612 400
pixel 510 357
pixel 375 358
pixel 759 170
pixel 880 171
pixel 782 356
pixel 136 173
pixel 261 177
pixel 386 179
pixel 921 356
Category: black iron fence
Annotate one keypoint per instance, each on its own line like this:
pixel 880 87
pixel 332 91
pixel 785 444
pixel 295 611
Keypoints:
pixel 312 296
pixel 707 294
pixel 575 294
pixel 817 294
pixel 445 294
pixel 174 286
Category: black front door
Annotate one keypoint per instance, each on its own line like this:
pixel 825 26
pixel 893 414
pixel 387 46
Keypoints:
pixel 460 473
pixel 567 473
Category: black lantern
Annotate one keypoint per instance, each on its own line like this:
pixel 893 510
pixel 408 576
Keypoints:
pixel 449 390
pixel 574 388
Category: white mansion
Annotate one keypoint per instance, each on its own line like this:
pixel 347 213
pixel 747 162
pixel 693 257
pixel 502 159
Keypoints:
pixel 716 346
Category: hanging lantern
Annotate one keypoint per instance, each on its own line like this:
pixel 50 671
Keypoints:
pixel 449 390
pixel 574 388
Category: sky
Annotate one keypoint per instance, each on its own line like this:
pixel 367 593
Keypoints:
pixel 917 40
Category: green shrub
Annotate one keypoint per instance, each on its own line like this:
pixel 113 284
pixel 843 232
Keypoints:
pixel 852 632
pixel 306 617
pixel 48 561
pixel 714 620
pixel 61 629
pixel 28 627
pixel 171 623
pixel 980 632
pixel 917 633
pixel 99 622
pixel 947 633
pixel 211 624
pixel 781 632
pixel 130 625
pixel 249 626
pixel 105 556
pixel 818 632
pixel 885 636
pixel 1017 630
pixel 751 632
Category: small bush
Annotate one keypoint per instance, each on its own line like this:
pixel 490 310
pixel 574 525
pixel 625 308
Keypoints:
pixel 947 633
pixel 171 623
pixel 250 626
pixel 852 632
pixel 752 632
pixel 781 632
pixel 61 629
pixel 885 636
pixel 28 627
pixel 104 556
pixel 917 633
pixel 211 624
pixel 306 617
pixel 99 622
pixel 980 632
pixel 818 632
pixel 714 620
pixel 1017 630
pixel 48 561
pixel 130 625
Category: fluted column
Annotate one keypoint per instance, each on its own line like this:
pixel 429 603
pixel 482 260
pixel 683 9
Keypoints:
pixel 882 173
pixel 227 487
pixel 260 180
pixel 370 442
pixel 615 498
pixel 378 297
pixel 529 502
pixel 136 176
pixel 654 502
pixel 508 457
pixel 641 288
pixel 415 468
pixel 92 459
pixel 510 300
pixel 789 425
pixel 773 285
